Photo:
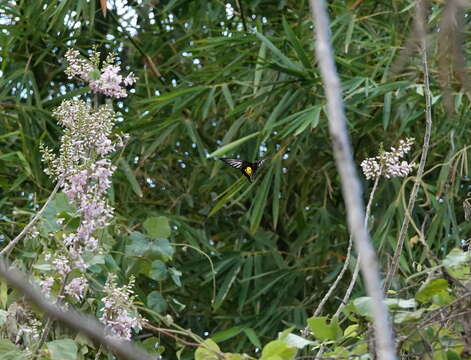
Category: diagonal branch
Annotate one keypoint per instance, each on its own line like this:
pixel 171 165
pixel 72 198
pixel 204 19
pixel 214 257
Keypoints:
pixel 28 227
pixel 353 281
pixel 87 325
pixel 351 187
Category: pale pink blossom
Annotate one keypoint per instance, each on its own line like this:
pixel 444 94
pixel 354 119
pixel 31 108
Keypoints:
pixel 388 163
pixel 62 265
pixel 119 314
pixel 106 81
pixel 76 288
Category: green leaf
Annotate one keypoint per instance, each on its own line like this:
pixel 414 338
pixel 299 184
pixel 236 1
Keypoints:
pixel 231 146
pixel 203 352
pixel 151 345
pixel 131 177
pixel 278 349
pixel 227 195
pixel 196 138
pixel 281 106
pixel 456 257
pixel 208 102
pixel 276 192
pixel 156 302
pixel 452 355
pixel 64 349
pixel 362 306
pixel 43 267
pixel 309 118
pixel 9 351
pixel 58 206
pixel 296 44
pixel 284 59
pixel 253 337
pixel 172 95
pixel 323 330
pixel 227 95
pixel 297 341
pixel 443 298
pixel 387 110
pixel 175 275
pixel 157 227
pixel 226 334
pixel 351 330
pixel 259 67
pixel 245 284
pixel 431 288
pixel 260 201
pixel 401 303
pixel 400 317
pixel 231 356
pixel 150 248
pixel 229 279
pixel 158 271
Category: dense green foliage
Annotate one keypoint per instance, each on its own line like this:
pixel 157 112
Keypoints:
pixel 235 261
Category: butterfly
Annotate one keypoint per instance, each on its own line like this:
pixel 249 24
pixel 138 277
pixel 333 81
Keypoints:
pixel 247 168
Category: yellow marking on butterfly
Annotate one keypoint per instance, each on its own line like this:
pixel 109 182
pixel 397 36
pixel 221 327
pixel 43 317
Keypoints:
pixel 248 170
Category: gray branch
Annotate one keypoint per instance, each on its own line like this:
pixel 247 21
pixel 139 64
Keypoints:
pixel 351 187
pixel 87 325
pixel 28 227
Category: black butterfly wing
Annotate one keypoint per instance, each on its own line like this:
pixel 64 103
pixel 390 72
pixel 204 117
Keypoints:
pixel 235 163
pixel 259 163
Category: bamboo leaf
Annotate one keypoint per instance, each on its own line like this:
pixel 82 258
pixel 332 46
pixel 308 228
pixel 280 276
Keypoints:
pixel 260 201
pixel 296 44
pixel 228 194
pixel 226 285
pixel 284 59
pixel 227 95
pixel 231 146
pixel 131 177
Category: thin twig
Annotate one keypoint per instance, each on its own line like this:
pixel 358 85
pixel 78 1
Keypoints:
pixel 425 147
pixel 337 280
pixel 182 341
pixel 87 325
pixel 28 227
pixel 348 293
pixel 351 187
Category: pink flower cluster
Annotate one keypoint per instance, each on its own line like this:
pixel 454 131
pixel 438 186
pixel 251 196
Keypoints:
pixel 78 66
pixel 119 313
pixel 76 288
pixel 84 167
pixel 106 81
pixel 388 163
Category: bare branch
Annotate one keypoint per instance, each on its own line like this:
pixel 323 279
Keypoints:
pixel 28 227
pixel 87 325
pixel 348 293
pixel 351 188
pixel 337 280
